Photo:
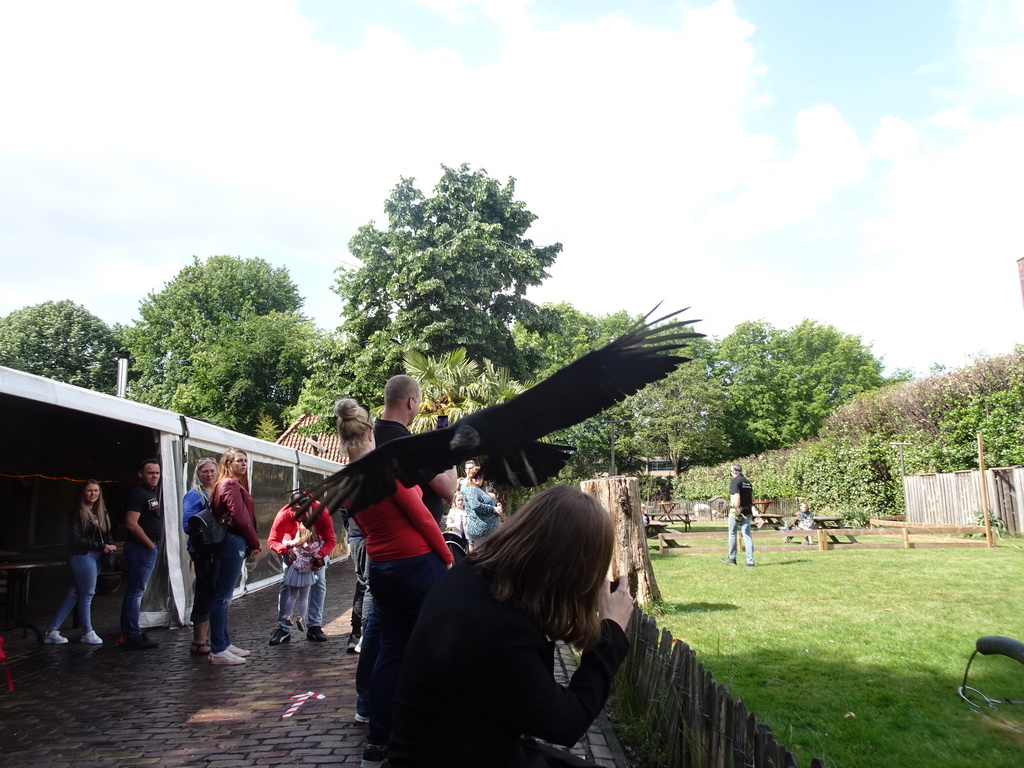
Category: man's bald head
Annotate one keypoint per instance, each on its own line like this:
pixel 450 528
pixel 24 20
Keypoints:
pixel 399 388
pixel 401 399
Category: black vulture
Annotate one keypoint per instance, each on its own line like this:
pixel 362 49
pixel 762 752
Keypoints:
pixel 508 435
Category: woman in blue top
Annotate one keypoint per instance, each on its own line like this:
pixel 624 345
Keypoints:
pixel 483 513
pixel 204 563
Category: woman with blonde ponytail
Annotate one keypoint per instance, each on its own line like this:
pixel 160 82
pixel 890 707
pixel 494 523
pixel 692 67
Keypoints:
pixel 407 555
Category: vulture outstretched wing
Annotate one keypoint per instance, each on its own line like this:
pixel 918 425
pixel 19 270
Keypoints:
pixel 507 434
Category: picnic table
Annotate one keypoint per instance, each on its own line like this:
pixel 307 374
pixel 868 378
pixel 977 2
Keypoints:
pixel 778 522
pixel 666 514
pixel 761 505
pixel 775 521
pixel 829 523
pixel 653 530
pixel 18 571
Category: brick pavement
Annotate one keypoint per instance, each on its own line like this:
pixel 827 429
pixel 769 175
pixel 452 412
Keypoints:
pixel 83 706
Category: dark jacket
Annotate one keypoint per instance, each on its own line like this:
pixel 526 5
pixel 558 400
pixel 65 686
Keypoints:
pixel 485 666
pixel 91 539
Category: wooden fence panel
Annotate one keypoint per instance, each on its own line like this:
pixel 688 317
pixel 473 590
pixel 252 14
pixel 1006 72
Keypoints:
pixel 954 498
pixel 702 725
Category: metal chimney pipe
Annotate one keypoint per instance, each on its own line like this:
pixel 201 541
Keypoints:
pixel 122 375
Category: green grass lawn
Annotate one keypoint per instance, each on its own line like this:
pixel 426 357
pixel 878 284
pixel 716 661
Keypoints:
pixel 855 655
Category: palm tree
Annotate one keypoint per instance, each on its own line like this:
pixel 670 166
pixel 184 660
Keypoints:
pixel 453 385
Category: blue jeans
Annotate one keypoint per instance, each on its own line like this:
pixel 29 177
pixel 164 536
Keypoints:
pixel 84 569
pixel 367 658
pixel 361 599
pixel 230 558
pixel 140 561
pixel 748 542
pixel 398 588
pixel 317 595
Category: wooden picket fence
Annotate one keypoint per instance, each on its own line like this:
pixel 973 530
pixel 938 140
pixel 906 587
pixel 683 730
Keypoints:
pixel 699 721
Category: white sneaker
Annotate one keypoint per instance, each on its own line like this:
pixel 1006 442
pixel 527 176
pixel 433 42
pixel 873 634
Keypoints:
pixel 239 652
pixel 53 637
pixel 225 657
pixel 91 638
pixel 359 646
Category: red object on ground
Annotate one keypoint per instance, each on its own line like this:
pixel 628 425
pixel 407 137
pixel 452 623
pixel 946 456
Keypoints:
pixel 7 668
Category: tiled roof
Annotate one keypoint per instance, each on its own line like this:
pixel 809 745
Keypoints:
pixel 325 444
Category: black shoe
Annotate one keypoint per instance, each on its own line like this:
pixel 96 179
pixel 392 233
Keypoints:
pixel 280 636
pixel 728 561
pixel 140 642
pixel 373 756
pixel 317 634
pixel 353 643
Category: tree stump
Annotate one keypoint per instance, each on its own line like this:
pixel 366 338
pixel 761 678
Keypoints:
pixel 620 495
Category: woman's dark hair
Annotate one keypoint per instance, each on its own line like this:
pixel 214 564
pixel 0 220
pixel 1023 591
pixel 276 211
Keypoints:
pixel 551 561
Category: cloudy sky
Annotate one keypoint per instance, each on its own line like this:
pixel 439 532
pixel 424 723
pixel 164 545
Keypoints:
pixel 858 164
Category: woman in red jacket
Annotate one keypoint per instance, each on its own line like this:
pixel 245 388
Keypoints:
pixel 233 504
pixel 407 555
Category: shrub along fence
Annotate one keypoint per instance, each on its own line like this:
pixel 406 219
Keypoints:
pixel 700 723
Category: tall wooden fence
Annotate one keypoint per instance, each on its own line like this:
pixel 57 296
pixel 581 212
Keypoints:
pixel 954 498
pixel 702 724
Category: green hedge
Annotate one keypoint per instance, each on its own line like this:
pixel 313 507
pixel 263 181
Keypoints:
pixel 852 469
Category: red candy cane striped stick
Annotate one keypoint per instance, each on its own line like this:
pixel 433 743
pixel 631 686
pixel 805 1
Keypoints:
pixel 300 700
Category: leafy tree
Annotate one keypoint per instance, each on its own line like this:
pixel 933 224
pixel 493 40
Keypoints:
pixel 681 417
pixel 451 270
pixel 61 340
pixel 563 333
pixel 266 428
pixel 224 340
pixel 782 384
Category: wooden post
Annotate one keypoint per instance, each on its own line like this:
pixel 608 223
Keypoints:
pixel 620 495
pixel 906 537
pixel 984 490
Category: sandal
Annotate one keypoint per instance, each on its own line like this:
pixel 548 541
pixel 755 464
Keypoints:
pixel 197 649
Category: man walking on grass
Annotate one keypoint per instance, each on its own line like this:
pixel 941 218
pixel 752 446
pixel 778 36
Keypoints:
pixel 741 506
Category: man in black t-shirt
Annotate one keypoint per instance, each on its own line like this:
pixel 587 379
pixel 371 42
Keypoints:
pixel 144 526
pixel 741 500
pixel 401 404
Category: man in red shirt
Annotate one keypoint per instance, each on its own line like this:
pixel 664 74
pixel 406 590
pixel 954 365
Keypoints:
pixel 286 525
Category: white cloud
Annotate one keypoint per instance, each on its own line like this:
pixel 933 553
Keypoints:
pixel 140 135
pixel 507 15
pixel 992 42
pixel 783 189
pixel 893 139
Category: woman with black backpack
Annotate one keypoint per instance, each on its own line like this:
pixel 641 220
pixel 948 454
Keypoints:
pixel 203 561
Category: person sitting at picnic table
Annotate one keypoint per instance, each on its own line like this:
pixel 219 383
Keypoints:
pixel 804 520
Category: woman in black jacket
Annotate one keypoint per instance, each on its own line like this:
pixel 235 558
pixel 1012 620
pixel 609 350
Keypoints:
pixel 482 652
pixel 89 538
